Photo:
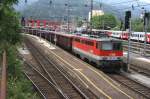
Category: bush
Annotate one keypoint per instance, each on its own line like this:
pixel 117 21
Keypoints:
pixel 19 87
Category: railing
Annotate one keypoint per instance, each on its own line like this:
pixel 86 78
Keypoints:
pixel 3 80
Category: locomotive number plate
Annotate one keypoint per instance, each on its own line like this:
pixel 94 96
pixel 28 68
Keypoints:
pixel 112 54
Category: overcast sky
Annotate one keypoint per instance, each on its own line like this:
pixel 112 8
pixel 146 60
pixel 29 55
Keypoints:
pixel 21 4
pixel 147 1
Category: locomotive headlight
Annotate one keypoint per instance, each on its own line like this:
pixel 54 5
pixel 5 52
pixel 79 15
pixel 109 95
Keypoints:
pixel 104 58
pixel 119 58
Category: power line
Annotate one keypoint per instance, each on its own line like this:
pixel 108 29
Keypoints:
pixel 119 2
pixel 134 6
pixel 122 2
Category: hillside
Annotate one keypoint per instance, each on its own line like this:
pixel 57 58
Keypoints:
pixel 43 10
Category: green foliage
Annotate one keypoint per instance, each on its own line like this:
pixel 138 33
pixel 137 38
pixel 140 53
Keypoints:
pixel 14 65
pixel 10 2
pixel 18 86
pixel 106 21
pixel 137 25
pixel 117 27
pixel 79 21
pixel 9 25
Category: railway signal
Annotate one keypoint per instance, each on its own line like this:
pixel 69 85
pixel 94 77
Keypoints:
pixel 23 21
pixel 50 2
pixel 127 19
pixel 146 17
pixel 25 1
pixel 146 20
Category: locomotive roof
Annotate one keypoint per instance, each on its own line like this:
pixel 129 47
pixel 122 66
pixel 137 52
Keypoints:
pixel 98 39
pixel 84 36
pixel 90 37
pixel 64 34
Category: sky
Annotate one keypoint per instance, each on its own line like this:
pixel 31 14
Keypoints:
pixel 22 5
pixel 109 1
pixel 147 1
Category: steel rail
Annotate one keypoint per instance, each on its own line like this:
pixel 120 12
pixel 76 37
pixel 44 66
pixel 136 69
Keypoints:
pixel 132 85
pixel 77 89
pixel 42 76
pixel 42 68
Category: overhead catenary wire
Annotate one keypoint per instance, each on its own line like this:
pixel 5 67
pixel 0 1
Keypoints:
pixel 87 4
pixel 127 8
pixel 131 6
pixel 122 2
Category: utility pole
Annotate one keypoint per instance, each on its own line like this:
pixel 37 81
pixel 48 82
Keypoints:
pixel 91 15
pixel 25 17
pixel 51 17
pixel 67 5
pixel 128 26
pixel 103 24
pixel 25 25
pixel 129 46
pixel 68 16
pixel 100 5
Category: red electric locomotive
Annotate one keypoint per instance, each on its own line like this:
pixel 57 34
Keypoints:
pixel 105 53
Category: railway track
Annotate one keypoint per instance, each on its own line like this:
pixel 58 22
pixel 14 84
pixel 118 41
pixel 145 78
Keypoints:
pixel 140 70
pixel 137 47
pixel 132 85
pixel 45 87
pixel 57 76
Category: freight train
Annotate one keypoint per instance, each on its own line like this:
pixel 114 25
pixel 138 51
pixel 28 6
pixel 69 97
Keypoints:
pixel 104 52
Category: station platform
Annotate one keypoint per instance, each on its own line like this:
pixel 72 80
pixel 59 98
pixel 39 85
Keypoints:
pixel 92 78
pixel 138 60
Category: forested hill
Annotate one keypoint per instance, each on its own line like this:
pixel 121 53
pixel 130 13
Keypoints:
pixel 42 9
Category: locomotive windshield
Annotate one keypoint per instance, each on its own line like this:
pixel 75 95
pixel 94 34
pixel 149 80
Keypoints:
pixel 110 45
pixel 106 46
pixel 117 46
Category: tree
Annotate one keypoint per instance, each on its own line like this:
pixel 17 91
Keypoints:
pixel 9 24
pixel 138 25
pixel 79 21
pixel 9 36
pixel 106 21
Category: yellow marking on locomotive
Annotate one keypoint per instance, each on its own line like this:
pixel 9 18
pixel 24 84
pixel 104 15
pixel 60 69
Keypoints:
pixel 112 54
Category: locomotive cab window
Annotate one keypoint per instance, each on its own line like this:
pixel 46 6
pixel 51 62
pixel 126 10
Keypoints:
pixel 106 46
pixel 117 46
pixel 77 39
pixel 109 45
